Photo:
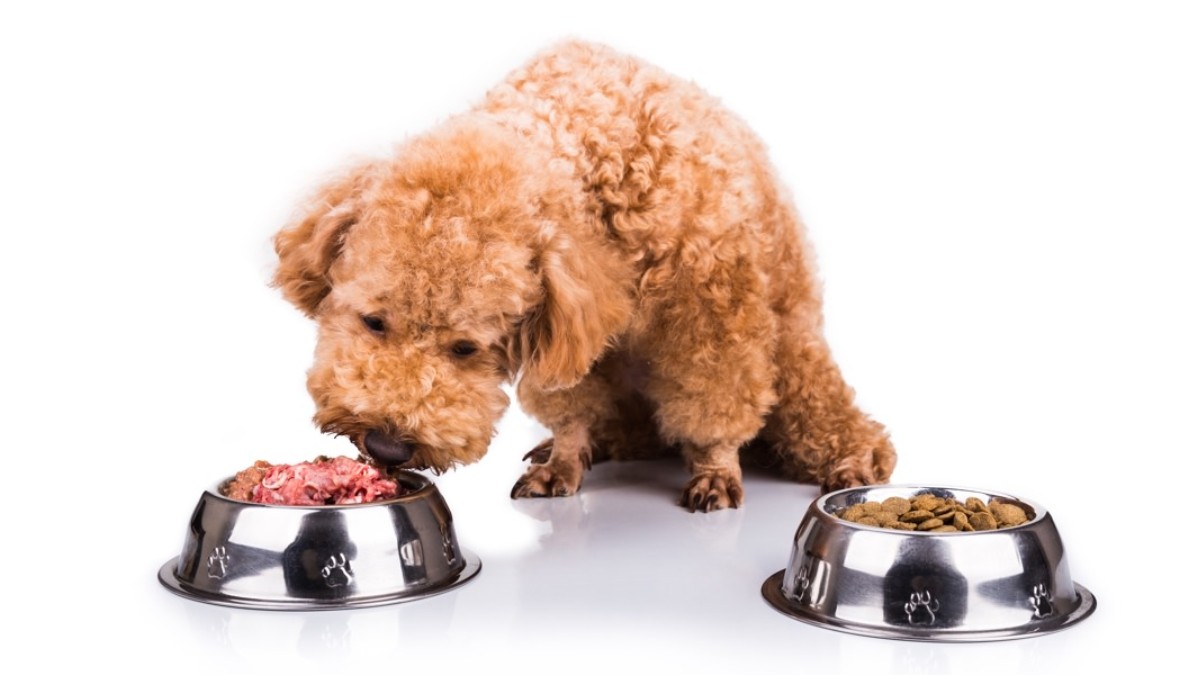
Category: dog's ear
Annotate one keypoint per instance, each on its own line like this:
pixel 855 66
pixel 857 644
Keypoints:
pixel 586 304
pixel 308 247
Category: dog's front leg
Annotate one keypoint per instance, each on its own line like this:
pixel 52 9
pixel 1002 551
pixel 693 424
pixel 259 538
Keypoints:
pixel 716 478
pixel 558 465
pixel 559 461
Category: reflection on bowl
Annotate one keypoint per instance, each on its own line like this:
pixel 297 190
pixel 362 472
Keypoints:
pixel 320 557
pixel 963 586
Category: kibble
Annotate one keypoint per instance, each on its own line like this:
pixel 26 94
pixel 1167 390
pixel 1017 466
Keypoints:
pixel 1007 514
pixel 917 516
pixel 983 520
pixel 896 505
pixel 925 502
pixel 962 522
pixel 853 513
pixel 886 518
pixel 930 513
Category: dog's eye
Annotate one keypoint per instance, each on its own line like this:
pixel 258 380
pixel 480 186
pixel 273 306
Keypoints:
pixel 464 348
pixel 373 323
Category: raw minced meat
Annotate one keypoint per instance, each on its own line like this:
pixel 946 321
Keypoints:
pixel 323 481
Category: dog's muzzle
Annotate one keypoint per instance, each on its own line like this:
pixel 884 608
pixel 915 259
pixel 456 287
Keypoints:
pixel 386 450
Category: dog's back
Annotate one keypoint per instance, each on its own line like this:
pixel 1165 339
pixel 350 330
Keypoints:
pixel 668 166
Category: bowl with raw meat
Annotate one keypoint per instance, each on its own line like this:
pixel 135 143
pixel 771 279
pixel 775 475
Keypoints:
pixel 333 533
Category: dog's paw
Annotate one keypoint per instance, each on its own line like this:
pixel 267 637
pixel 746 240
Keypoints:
pixel 847 478
pixel 850 475
pixel 710 491
pixel 870 465
pixel 548 480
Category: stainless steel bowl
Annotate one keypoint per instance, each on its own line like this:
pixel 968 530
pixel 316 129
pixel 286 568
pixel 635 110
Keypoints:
pixel 956 587
pixel 320 557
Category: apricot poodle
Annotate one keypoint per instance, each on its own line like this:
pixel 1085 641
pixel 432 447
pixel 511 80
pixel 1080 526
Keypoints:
pixel 614 238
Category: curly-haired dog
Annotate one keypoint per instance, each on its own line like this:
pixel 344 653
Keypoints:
pixel 617 239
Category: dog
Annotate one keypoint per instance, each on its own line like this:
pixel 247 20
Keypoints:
pixel 613 240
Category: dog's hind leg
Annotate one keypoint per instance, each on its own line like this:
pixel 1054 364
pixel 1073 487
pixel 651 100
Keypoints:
pixel 816 429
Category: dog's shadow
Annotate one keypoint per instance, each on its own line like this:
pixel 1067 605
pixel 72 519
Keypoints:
pixel 603 510
pixel 626 525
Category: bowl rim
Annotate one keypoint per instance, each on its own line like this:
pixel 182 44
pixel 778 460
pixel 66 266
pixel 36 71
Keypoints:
pixel 421 487
pixel 822 510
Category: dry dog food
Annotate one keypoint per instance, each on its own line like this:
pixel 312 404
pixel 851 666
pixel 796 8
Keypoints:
pixel 323 481
pixel 930 513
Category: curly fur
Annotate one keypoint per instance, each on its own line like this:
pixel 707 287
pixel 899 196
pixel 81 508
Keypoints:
pixel 613 237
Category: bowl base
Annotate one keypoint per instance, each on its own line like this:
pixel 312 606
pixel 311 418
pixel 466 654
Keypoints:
pixel 166 575
pixel 772 591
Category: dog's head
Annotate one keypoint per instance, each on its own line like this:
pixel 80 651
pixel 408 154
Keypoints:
pixel 438 275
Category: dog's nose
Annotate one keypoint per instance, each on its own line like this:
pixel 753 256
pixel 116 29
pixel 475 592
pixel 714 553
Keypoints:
pixel 387 450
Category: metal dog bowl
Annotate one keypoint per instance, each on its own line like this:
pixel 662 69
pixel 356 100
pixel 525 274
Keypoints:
pixel 320 557
pixel 955 587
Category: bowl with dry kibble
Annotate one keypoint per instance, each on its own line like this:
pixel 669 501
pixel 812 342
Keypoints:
pixel 929 563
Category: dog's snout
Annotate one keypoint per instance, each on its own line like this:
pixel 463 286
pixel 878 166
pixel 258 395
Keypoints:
pixel 386 449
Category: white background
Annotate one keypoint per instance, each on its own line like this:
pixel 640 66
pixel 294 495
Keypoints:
pixel 1003 198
